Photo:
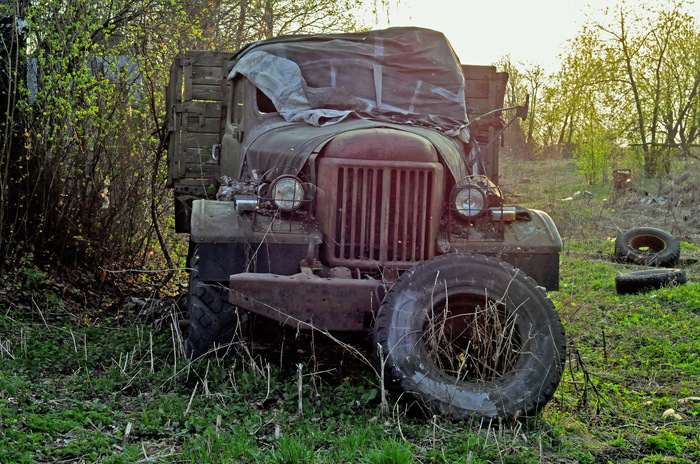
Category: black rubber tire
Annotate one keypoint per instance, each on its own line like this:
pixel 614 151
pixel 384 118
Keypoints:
pixel 651 279
pixel 215 324
pixel 404 319
pixel 647 246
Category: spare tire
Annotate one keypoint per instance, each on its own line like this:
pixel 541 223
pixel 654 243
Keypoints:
pixel 651 279
pixel 648 246
pixel 470 336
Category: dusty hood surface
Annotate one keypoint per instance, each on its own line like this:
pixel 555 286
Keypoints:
pixel 291 145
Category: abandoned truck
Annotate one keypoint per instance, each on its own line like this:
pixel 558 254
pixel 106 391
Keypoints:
pixel 350 182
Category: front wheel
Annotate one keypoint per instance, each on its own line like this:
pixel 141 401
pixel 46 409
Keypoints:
pixel 470 336
pixel 215 324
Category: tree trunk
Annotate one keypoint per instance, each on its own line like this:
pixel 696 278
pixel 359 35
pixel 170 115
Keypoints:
pixel 649 155
pixel 241 24
pixel 269 19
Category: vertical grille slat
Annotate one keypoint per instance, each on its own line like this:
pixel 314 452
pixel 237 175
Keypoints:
pixel 355 208
pixel 425 217
pixel 395 216
pixel 373 211
pixel 417 251
pixel 381 215
pixel 406 253
pixel 342 226
pixel 363 221
pixel 384 216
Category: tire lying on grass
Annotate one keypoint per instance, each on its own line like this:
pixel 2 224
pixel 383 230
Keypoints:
pixel 470 337
pixel 215 324
pixel 647 246
pixel 651 279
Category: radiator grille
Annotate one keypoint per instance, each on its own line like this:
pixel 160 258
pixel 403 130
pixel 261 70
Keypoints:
pixel 383 215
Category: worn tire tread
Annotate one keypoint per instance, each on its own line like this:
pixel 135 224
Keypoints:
pixel 214 322
pixel 650 279
pixel 396 381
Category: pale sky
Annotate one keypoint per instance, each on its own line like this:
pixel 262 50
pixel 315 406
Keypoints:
pixel 482 31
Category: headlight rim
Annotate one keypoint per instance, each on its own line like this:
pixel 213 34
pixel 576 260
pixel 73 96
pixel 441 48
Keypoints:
pixel 298 193
pixel 460 210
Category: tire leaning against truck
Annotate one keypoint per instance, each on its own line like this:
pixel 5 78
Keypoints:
pixel 470 336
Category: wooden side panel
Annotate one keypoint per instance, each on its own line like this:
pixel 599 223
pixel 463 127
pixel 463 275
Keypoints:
pixel 196 99
pixel 484 88
pixel 197 96
pixel 484 91
pixel 476 93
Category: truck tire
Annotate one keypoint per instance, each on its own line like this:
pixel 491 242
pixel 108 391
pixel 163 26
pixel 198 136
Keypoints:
pixel 470 337
pixel 650 279
pixel 214 322
pixel 647 246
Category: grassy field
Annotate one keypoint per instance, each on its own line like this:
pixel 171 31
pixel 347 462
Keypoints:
pixel 109 383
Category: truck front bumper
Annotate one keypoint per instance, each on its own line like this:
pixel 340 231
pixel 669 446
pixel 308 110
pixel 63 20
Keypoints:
pixel 307 301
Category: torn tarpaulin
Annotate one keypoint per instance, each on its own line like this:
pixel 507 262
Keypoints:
pixel 408 74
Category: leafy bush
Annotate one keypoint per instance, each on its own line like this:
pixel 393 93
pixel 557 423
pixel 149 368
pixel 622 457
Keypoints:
pixel 593 155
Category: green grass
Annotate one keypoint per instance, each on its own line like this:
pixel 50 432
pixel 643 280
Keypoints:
pixel 110 395
pixel 120 391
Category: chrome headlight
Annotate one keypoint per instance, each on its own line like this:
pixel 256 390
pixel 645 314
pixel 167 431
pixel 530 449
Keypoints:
pixel 287 193
pixel 470 201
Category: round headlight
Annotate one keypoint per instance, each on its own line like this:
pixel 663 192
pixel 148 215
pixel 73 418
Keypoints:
pixel 470 201
pixel 287 193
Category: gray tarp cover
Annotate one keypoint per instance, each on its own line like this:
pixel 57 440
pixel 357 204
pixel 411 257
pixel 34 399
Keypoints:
pixel 405 75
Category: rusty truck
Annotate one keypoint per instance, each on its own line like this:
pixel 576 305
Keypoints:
pixel 350 182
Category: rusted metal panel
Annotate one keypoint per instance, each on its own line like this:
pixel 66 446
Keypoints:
pixel 304 300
